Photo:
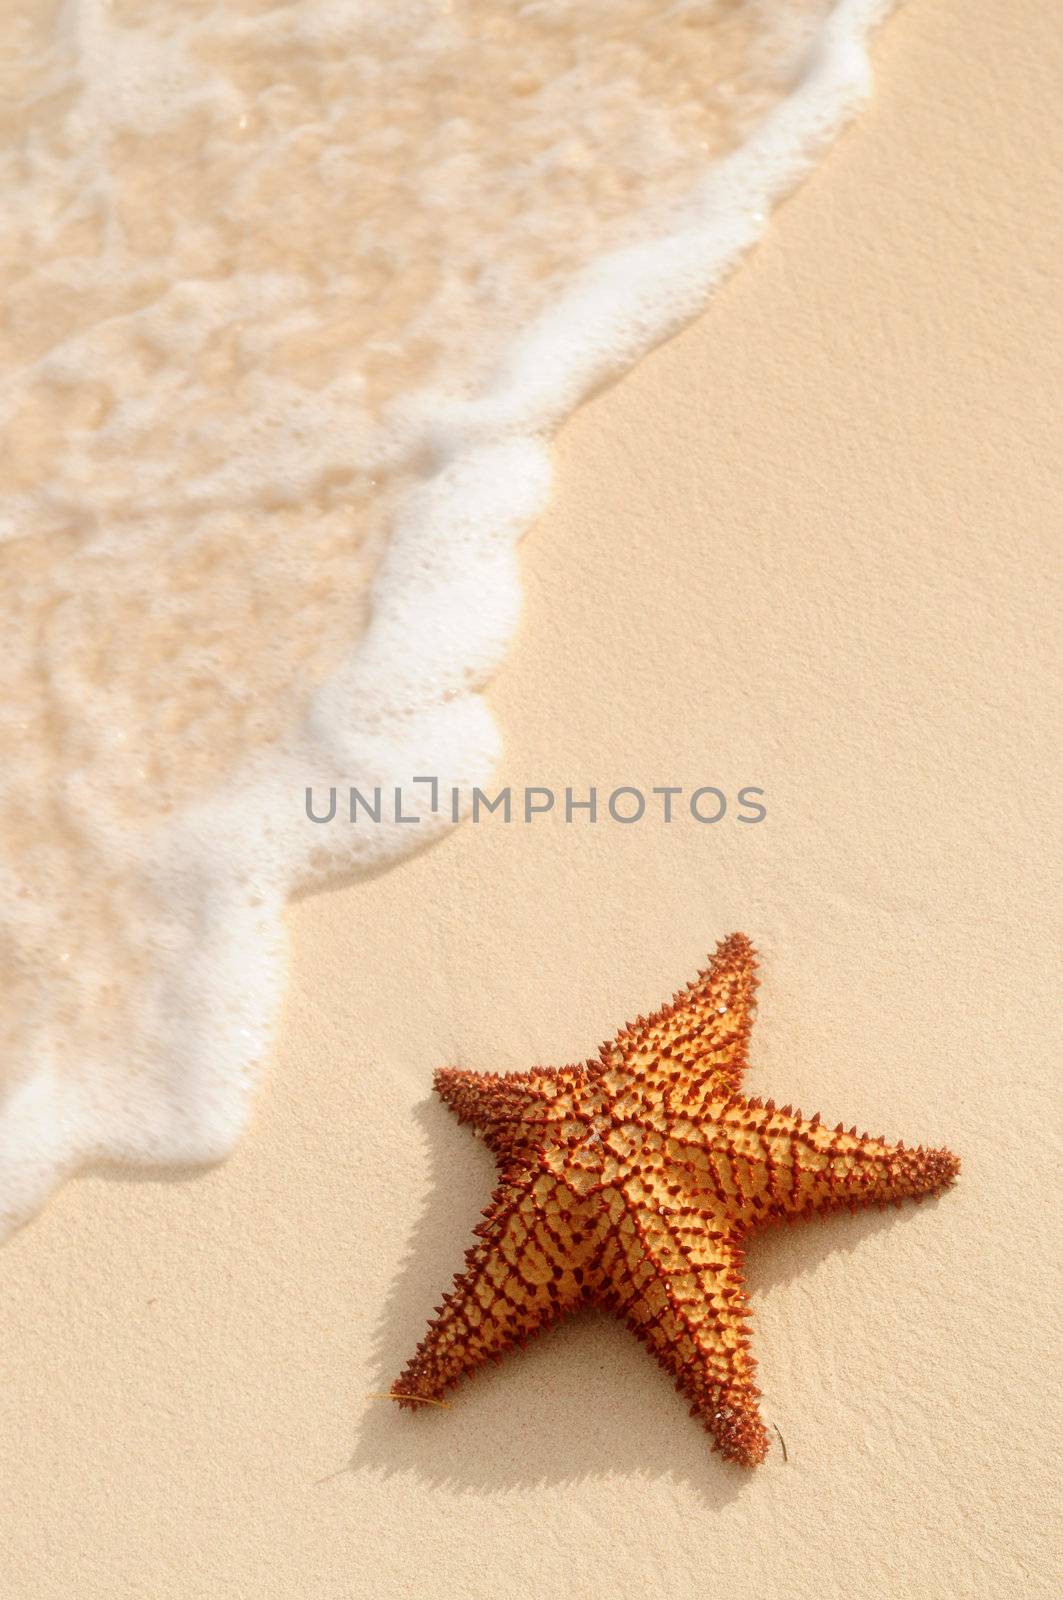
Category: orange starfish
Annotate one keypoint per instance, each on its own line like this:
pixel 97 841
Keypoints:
pixel 631 1183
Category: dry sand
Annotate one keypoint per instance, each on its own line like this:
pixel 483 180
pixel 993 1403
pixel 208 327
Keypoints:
pixel 806 546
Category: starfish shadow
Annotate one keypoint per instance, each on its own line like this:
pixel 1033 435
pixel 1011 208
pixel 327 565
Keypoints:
pixel 584 1400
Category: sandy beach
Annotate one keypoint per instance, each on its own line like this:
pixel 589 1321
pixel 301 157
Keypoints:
pixel 808 546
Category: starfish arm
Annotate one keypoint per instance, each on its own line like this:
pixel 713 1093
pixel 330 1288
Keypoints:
pixel 678 1286
pixel 776 1163
pixel 511 1110
pixel 696 1046
pixel 517 1281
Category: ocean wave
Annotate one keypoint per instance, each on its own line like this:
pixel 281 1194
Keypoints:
pixel 297 295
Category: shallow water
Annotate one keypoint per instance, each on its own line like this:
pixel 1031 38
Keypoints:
pixel 294 294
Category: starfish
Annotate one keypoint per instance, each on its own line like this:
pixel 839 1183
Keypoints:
pixel 631 1182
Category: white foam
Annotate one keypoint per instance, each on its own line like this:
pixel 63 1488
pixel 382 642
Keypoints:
pixel 195 892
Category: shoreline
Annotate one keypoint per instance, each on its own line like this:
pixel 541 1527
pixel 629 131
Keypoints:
pixel 849 461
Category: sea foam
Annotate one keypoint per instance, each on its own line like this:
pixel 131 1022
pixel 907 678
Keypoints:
pixel 296 296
